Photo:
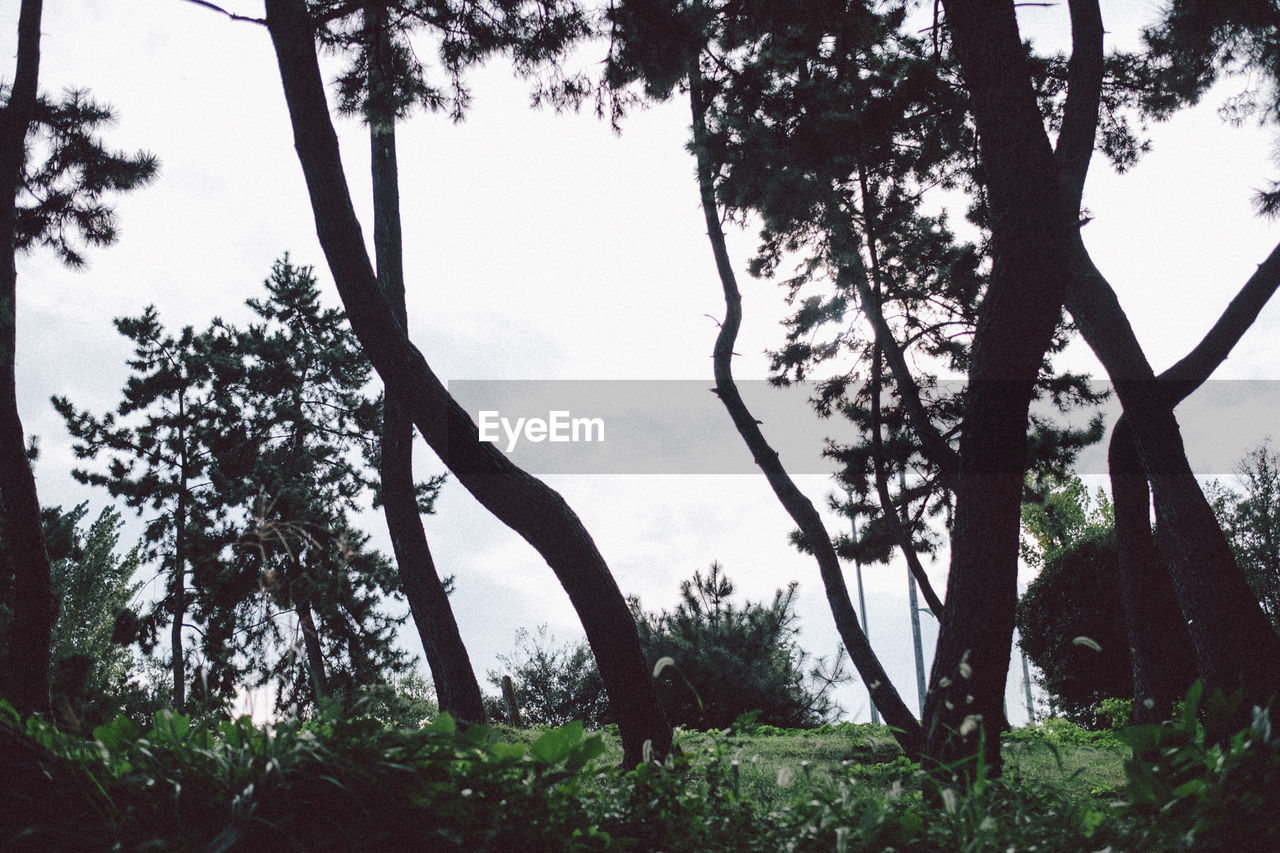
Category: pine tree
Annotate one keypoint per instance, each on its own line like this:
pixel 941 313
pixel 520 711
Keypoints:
pixel 251 447
pixel 155 443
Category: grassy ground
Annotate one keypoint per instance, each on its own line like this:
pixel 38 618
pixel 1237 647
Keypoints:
pixel 353 784
pixel 779 766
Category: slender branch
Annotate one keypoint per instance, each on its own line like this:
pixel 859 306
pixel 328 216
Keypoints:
pixel 883 694
pixel 1084 94
pixel 887 507
pixel 232 15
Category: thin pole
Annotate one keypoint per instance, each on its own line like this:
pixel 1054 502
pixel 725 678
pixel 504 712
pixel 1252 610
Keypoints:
pixel 914 602
pixel 1026 687
pixel 915 636
pixel 862 601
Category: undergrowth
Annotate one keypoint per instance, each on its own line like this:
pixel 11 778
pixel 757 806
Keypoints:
pixel 352 784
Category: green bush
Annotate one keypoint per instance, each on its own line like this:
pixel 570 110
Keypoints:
pixel 352 784
pixel 726 660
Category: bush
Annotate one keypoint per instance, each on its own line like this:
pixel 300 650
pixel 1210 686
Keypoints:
pixel 554 685
pixel 1077 594
pixel 723 661
pixel 728 660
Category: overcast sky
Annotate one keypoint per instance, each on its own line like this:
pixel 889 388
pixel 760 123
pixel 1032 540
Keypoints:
pixel 546 247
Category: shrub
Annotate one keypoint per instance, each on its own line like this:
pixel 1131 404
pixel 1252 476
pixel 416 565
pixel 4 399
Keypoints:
pixel 1077 594
pixel 728 660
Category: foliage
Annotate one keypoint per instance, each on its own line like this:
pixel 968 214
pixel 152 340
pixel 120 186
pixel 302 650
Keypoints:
pixel 835 126
pixel 1251 519
pixel 1075 602
pixel 93 669
pixel 67 172
pixel 719 661
pixel 94 673
pixel 1114 713
pixel 252 446
pixel 732 659
pixel 298 430
pixel 554 685
pixel 1056 512
pixel 353 784
pixel 1071 624
pixel 1212 788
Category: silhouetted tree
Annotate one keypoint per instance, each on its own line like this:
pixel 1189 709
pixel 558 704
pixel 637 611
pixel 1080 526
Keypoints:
pixel 50 194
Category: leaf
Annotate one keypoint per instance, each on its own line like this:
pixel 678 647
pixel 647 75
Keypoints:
pixel 444 724
pixel 591 747
pixel 504 751
pixel 551 747
pixel 1087 642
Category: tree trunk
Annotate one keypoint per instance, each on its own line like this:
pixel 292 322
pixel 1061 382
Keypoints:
pixel 524 503
pixel 1159 644
pixel 25 681
pixel 314 651
pixel 1015 325
pixel 457 690
pixel 883 694
pixel 1236 648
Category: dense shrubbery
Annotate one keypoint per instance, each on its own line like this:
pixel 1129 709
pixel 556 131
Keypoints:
pixel 352 784
pixel 721 660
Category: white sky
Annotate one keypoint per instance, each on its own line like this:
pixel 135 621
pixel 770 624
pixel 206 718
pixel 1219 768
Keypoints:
pixel 543 247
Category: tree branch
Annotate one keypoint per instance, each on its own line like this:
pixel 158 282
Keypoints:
pixel 1084 94
pixel 232 15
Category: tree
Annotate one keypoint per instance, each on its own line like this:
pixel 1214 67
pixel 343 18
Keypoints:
pixel 717 660
pixel 158 462
pixel 93 664
pixel 302 428
pixel 831 125
pixel 383 85
pixel 250 445
pixel 522 502
pixel 1251 518
pixel 1071 624
pixel 53 200
pixel 727 660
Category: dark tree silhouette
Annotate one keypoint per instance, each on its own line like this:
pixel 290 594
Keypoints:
pixel 51 194
pixel 524 503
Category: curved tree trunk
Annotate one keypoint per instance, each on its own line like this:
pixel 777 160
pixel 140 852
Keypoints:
pixel 1236 648
pixel 457 690
pixel 1158 636
pixel 25 680
pixel 883 694
pixel 522 502
pixel 1016 322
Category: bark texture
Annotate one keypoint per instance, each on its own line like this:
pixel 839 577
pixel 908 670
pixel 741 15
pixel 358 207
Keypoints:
pixel 457 690
pixel 524 503
pixel 25 681
pixel 1163 659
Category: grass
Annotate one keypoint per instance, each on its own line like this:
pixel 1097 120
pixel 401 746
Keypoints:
pixel 345 784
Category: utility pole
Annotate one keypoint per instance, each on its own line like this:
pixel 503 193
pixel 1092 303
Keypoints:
pixel 862 601
pixel 914 602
